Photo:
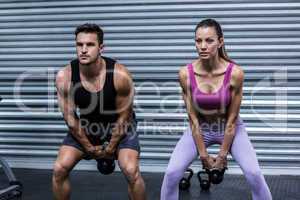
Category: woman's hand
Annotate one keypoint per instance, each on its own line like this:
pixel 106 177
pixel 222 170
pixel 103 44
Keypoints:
pixel 207 162
pixel 220 162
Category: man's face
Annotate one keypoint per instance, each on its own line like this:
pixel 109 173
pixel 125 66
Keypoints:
pixel 88 48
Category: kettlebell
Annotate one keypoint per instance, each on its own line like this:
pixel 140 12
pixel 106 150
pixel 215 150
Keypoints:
pixel 184 183
pixel 204 182
pixel 216 175
pixel 106 166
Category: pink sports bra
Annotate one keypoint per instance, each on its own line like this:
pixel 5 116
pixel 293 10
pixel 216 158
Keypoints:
pixel 215 100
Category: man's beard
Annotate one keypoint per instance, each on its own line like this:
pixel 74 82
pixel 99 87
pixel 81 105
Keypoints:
pixel 90 61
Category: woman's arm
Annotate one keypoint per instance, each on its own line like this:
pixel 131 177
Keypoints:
pixel 233 113
pixel 207 161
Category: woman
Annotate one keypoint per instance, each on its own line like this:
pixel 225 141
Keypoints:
pixel 212 91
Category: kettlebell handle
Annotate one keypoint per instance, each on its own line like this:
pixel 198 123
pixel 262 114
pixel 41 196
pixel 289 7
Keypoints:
pixel 191 173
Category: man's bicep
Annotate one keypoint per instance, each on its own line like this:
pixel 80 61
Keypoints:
pixel 125 92
pixel 66 105
pixel 63 102
pixel 124 103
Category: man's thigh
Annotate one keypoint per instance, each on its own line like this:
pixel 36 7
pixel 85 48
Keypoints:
pixel 128 159
pixel 68 157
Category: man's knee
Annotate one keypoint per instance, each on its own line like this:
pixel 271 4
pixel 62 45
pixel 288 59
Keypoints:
pixel 131 172
pixel 60 171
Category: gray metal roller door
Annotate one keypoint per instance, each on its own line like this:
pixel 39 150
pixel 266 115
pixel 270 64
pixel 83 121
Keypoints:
pixel 153 39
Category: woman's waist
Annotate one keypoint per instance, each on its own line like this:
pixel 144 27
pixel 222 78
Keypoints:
pixel 217 124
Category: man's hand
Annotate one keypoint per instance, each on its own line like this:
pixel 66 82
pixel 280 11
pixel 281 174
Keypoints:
pixel 99 153
pixel 96 152
pixel 110 153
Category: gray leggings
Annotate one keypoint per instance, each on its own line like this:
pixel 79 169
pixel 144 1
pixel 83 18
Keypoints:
pixel 241 150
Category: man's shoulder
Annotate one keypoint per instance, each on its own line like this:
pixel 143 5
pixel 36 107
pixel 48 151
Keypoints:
pixel 63 75
pixel 120 67
pixel 122 77
pixel 106 58
pixel 64 72
pixel 121 71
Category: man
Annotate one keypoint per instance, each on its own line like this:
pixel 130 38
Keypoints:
pixel 102 91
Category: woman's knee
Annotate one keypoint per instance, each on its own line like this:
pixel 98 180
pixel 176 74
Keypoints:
pixel 254 176
pixel 174 174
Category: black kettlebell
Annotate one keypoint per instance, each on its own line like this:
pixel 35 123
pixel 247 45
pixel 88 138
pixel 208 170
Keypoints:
pixel 204 182
pixel 106 166
pixel 184 183
pixel 216 175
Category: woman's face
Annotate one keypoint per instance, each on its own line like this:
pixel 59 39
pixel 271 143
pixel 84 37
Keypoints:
pixel 207 42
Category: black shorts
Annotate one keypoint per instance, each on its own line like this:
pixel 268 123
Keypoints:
pixel 130 141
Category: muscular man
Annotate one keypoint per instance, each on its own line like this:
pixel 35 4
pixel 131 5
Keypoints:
pixel 95 95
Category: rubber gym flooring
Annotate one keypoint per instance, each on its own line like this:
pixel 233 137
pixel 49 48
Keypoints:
pixel 90 185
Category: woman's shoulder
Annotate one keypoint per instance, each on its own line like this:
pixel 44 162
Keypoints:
pixel 237 73
pixel 183 75
pixel 183 70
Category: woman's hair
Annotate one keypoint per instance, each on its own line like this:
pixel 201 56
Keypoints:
pixel 213 23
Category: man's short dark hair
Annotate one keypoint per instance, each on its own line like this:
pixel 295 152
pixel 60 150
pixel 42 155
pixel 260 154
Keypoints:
pixel 90 28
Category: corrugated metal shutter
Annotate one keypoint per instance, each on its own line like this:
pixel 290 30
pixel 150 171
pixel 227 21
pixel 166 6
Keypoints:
pixel 153 39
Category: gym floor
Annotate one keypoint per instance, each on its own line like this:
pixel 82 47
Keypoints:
pixel 92 185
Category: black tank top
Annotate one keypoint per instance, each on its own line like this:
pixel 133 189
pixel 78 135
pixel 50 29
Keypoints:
pixel 97 109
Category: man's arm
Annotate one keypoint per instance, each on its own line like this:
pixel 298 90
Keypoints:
pixel 67 107
pixel 124 106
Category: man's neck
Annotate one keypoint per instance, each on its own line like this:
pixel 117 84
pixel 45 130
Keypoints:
pixel 94 69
